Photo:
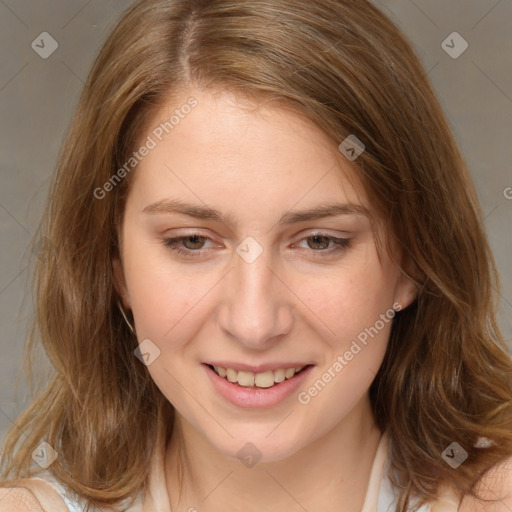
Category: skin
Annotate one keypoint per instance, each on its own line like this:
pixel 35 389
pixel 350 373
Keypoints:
pixel 296 302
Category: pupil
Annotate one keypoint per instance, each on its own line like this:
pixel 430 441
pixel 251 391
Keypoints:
pixel 317 239
pixel 195 240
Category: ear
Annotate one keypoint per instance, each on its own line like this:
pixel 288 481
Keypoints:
pixel 405 293
pixel 120 281
pixel 406 289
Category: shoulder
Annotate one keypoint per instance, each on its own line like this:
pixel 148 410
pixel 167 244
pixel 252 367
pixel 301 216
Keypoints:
pixel 18 499
pixel 31 495
pixel 495 485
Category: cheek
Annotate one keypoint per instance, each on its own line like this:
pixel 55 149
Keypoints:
pixel 351 300
pixel 161 295
pixel 356 308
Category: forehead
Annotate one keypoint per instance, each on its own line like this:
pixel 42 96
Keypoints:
pixel 235 152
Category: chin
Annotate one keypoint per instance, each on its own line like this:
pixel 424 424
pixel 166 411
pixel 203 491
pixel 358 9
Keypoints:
pixel 259 445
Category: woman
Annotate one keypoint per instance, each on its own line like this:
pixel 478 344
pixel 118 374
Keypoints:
pixel 266 282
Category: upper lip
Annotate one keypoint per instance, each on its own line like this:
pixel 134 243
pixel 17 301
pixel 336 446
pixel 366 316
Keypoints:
pixel 258 368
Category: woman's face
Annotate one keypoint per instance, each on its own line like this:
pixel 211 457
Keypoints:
pixel 245 245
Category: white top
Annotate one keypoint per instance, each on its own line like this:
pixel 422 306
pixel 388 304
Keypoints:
pixel 380 495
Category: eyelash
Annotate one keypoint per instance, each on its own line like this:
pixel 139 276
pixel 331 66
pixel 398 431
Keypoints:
pixel 340 244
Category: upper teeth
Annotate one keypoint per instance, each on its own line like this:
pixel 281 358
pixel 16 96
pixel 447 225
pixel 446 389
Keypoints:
pixel 261 380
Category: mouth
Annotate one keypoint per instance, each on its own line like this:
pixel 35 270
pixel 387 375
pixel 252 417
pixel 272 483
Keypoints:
pixel 260 380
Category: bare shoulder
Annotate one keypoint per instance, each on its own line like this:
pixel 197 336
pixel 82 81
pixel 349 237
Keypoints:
pixel 18 499
pixel 31 495
pixel 496 485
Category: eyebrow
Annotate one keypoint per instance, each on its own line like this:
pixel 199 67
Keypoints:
pixel 292 217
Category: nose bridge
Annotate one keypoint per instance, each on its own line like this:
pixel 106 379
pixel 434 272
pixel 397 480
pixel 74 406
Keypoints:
pixel 256 308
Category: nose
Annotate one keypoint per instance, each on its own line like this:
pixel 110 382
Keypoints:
pixel 257 307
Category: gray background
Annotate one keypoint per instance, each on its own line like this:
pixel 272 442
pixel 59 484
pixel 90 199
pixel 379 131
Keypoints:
pixel 37 97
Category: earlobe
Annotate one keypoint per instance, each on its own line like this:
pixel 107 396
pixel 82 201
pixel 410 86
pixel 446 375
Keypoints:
pixel 120 282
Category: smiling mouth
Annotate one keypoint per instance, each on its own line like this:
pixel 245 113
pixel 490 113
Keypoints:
pixel 262 380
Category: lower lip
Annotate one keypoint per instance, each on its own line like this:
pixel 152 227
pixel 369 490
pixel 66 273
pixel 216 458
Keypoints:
pixel 256 398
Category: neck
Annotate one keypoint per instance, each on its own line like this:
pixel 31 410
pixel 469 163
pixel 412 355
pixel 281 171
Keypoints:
pixel 332 470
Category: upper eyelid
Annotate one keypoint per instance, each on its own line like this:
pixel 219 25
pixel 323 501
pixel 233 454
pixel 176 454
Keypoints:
pixel 304 234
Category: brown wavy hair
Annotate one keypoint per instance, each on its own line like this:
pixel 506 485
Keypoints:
pixel 447 373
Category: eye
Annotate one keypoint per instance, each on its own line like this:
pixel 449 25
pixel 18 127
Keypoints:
pixel 189 245
pixel 193 245
pixel 323 243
